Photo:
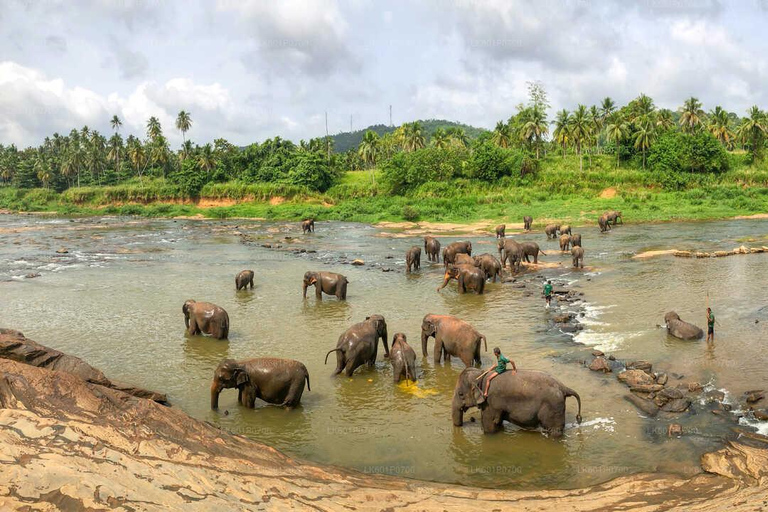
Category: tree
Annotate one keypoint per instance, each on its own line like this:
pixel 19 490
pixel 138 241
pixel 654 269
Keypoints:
pixel 457 136
pixel 501 136
pixel 369 151
pixel 579 130
pixel 691 115
pixel 607 108
pixel 412 136
pixel 206 159
pixel 644 135
pixel 535 127
pixel 616 132
pixel 183 124
pixel 664 120
pixel 43 171
pixel 719 126
pixel 596 120
pixel 752 132
pixel 561 135
pixel 154 130
pixel 440 139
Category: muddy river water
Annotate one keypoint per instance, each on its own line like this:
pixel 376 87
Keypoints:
pixel 115 300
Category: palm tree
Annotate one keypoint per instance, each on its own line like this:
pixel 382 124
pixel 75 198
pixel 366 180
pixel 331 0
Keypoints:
pixel 413 136
pixel 753 130
pixel 664 120
pixel 501 136
pixel 6 173
pixel 457 136
pixel 183 124
pixel 137 155
pixel 561 135
pixel 607 108
pixel 579 130
pixel 369 151
pixel 535 127
pixel 440 139
pixel 116 123
pixel 154 130
pixel 114 145
pixel 206 159
pixel 596 120
pixel 642 107
pixel 719 126
pixel 617 131
pixel 43 170
pixel 691 115
pixel 644 135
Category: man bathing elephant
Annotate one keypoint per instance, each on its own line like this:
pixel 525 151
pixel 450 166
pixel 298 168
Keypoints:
pixel 329 283
pixel 308 226
pixel 453 337
pixel 243 279
pixel 403 359
pixel 470 278
pixel 413 258
pixel 454 248
pixel 680 329
pixel 527 398
pixel 205 318
pixel 276 381
pixel 359 344
pixel 432 248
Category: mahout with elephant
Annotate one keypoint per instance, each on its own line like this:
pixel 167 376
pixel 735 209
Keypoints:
pixel 469 277
pixel 454 248
pixel 359 344
pixel 205 318
pixel 501 231
pixel 243 279
pixel 489 264
pixel 527 398
pixel 329 283
pixel 527 222
pixel 413 258
pixel 551 230
pixel 680 328
pixel 577 253
pixel 403 359
pixel 432 248
pixel 308 226
pixel 453 337
pixel 273 380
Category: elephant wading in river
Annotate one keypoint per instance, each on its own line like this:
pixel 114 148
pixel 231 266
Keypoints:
pixel 403 359
pixel 527 221
pixel 680 328
pixel 501 231
pixel 453 337
pixel 308 226
pixel 510 250
pixel 578 257
pixel 432 248
pixel 576 240
pixel 604 224
pixel 531 249
pixel 613 217
pixel 551 231
pixel 565 241
pixel 276 381
pixel 489 264
pixel 468 276
pixel 329 283
pixel 413 258
pixel 454 248
pixel 359 345
pixel 527 398
pixel 243 279
pixel 565 229
pixel 205 318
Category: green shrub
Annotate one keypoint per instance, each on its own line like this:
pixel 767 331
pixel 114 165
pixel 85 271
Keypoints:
pixel 410 213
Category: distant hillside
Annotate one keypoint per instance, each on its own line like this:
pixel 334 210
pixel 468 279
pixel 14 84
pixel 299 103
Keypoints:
pixel 345 141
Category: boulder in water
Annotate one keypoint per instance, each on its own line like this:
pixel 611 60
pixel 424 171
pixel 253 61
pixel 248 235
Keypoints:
pixel 678 405
pixel 599 364
pixel 634 378
pixel 646 406
pixel 640 365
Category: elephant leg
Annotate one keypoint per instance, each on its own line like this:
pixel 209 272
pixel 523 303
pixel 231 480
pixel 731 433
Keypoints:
pixel 552 419
pixel 350 368
pixel 192 329
pixel 491 419
pixel 481 287
pixel 340 363
pixel 342 295
pixel 466 358
pixel 318 291
pixel 438 349
pixel 251 284
pixel 293 397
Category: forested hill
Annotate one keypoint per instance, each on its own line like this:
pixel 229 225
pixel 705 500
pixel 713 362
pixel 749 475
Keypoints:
pixel 345 141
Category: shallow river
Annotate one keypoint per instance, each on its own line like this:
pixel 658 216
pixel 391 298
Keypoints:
pixel 115 300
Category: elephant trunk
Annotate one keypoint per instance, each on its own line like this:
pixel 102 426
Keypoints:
pixel 384 341
pixel 215 390
pixel 457 412
pixel 424 337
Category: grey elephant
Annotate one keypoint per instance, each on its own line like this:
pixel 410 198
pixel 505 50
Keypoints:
pixel 403 359
pixel 413 258
pixel 527 222
pixel 464 259
pixel 454 248
pixel 680 328
pixel 276 381
pixel 565 241
pixel 512 252
pixel 359 345
pixel 308 226
pixel 576 240
pixel 243 279
pixel 531 249
pixel 577 253
pixel 501 231
pixel 604 224
pixel 613 217
pixel 470 278
pixel 527 398
pixel 329 283
pixel 453 337
pixel 565 229
pixel 205 318
pixel 432 248
pixel 551 230
pixel 489 264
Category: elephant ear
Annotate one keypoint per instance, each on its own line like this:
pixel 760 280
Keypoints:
pixel 241 378
pixel 477 394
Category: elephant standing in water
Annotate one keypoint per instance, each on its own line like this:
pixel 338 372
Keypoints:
pixel 565 229
pixel 276 381
pixel 432 248
pixel 243 279
pixel 576 240
pixel 329 283
pixel 527 221
pixel 454 248
pixel 578 257
pixel 403 359
pixel 510 250
pixel 681 329
pixel 469 278
pixel 308 226
pixel 359 345
pixel 527 398
pixel 551 231
pixel 489 264
pixel 531 249
pixel 205 318
pixel 413 258
pixel 613 217
pixel 604 224
pixel 501 231
pixel 565 241
pixel 453 337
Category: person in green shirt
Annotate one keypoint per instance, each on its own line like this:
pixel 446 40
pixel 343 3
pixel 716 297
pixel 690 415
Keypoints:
pixel 501 367
pixel 548 292
pixel 710 325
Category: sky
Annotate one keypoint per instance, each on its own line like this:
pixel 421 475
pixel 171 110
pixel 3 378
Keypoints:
pixel 248 70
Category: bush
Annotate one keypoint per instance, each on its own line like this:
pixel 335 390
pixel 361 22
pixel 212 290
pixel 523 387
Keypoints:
pixel 189 178
pixel 406 171
pixel 410 213
pixel 311 170
pixel 676 152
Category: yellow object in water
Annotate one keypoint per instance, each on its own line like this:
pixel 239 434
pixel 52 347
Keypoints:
pixel 409 386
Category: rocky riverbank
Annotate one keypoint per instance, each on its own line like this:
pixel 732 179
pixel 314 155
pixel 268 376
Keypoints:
pixel 75 443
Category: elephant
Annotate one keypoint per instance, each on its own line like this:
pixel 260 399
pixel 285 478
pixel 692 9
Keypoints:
pixel 614 216
pixel 432 248
pixel 576 240
pixel 359 345
pixel 551 230
pixel 510 250
pixel 604 224
pixel 527 221
pixel 531 249
pixel 403 359
pixel 308 226
pixel 681 329
pixel 243 279
pixel 453 337
pixel 578 256
pixel 501 230
pixel 468 276
pixel 489 264
pixel 565 229
pixel 527 398
pixel 454 248
pixel 205 318
pixel 329 283
pixel 565 241
pixel 276 381
pixel 413 258
pixel 463 259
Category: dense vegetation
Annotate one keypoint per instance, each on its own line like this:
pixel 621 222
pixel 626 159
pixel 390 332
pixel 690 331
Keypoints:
pixel 349 141
pixel 663 164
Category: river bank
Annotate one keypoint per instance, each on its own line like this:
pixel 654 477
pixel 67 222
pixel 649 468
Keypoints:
pixel 59 433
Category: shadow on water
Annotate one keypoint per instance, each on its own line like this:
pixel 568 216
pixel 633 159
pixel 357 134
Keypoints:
pixel 206 350
pixel 328 308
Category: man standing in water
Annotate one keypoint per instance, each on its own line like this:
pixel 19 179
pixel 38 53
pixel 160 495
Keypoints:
pixel 501 367
pixel 710 325
pixel 548 292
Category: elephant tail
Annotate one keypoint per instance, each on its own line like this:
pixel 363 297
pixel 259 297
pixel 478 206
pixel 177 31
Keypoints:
pixel 542 252
pixel 326 357
pixel 485 342
pixel 569 392
pixel 306 376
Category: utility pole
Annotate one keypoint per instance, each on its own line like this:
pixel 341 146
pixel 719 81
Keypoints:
pixel 327 138
pixel 390 116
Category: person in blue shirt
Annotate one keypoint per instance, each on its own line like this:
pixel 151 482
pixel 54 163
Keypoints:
pixel 501 367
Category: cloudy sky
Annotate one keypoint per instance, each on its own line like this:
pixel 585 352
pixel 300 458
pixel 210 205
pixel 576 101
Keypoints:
pixel 252 69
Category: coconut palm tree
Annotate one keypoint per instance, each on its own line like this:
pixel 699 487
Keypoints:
pixel 457 136
pixel 183 124
pixel 535 127
pixel 369 150
pixel 718 124
pixel 596 120
pixel 440 139
pixel 206 159
pixel 664 120
pixel 579 129
pixel 561 135
pixel 413 136
pixel 644 135
pixel 642 107
pixel 617 131
pixel 137 155
pixel 501 136
pixel 43 171
pixel 753 130
pixel 154 130
pixel 607 108
pixel 691 115
pixel 116 123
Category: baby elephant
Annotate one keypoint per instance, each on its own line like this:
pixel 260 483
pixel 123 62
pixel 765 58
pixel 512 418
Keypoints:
pixel 205 318
pixel 680 328
pixel 276 381
pixel 501 230
pixel 527 221
pixel 403 359
pixel 578 257
pixel 359 345
pixel 413 258
pixel 551 231
pixel 576 240
pixel 565 241
pixel 243 279
pixel 308 226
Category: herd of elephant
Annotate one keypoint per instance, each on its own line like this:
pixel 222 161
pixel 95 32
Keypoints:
pixel 527 398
